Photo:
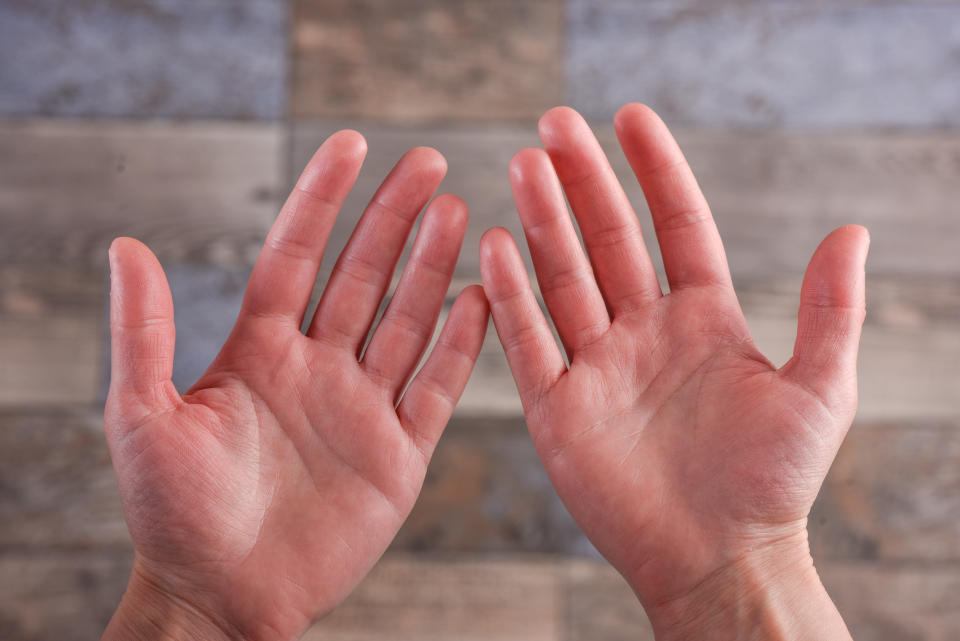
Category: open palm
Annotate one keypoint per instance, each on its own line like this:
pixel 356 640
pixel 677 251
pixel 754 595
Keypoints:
pixel 675 444
pixel 258 499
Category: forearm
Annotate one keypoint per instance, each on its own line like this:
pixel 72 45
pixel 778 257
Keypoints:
pixel 774 595
pixel 147 613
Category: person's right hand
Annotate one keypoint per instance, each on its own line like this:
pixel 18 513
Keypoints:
pixel 257 500
pixel 688 459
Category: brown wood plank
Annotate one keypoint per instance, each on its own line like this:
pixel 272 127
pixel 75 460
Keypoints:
pixel 51 344
pixel 419 61
pixel 201 191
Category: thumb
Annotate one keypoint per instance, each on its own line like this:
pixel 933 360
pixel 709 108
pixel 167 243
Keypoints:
pixel 142 334
pixel 832 309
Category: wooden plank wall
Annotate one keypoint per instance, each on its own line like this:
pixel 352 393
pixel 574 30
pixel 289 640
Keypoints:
pixel 797 119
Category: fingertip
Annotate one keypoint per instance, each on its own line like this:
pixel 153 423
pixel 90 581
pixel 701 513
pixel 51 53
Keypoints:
pixel 559 122
pixel 126 253
pixel 527 162
pixel 634 113
pixel 835 275
pixel 340 156
pixel 427 160
pixel 845 242
pixel 474 299
pixel 348 142
pixel 857 235
pixel 494 241
pixel 344 148
pixel 452 208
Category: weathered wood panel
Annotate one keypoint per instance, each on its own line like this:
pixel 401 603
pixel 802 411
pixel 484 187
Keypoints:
pixel 774 195
pixel 836 64
pixel 63 596
pixel 71 597
pixel 487 491
pixel 891 495
pixel 181 58
pixel 57 488
pixel 411 599
pixel 200 192
pixel 895 602
pixel 600 606
pixel 908 351
pixel 408 60
pixel 51 348
pixel 907 356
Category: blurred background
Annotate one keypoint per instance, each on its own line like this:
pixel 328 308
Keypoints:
pixel 184 122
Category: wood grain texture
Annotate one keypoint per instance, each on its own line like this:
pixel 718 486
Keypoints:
pixel 894 494
pixel 53 595
pixel 486 491
pixel 774 195
pixel 599 605
pixel 908 352
pixel 413 61
pixel 895 602
pixel 145 58
pixel 198 192
pixel 51 347
pixel 907 355
pixel 411 599
pixel 836 65
pixel 57 488
pixel 891 495
pixel 71 597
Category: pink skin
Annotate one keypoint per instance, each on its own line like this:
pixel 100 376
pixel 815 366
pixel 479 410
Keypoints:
pixel 688 459
pixel 257 500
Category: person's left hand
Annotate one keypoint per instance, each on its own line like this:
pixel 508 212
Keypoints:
pixel 257 500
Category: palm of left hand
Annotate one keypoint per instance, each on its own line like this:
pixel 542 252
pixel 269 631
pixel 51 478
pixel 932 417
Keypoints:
pixel 263 495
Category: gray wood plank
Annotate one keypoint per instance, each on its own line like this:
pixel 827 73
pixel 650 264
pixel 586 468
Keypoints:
pixel 199 192
pixel 413 599
pixel 774 195
pixel 486 491
pixel 894 603
pixel 908 352
pixel 837 65
pixel 893 493
pixel 415 61
pixel 212 58
pixel 68 597
pixel 51 347
pixel 57 488
pixel 879 602
pixel 600 606
pixel 71 597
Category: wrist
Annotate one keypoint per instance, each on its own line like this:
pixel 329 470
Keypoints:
pixel 769 593
pixel 148 612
